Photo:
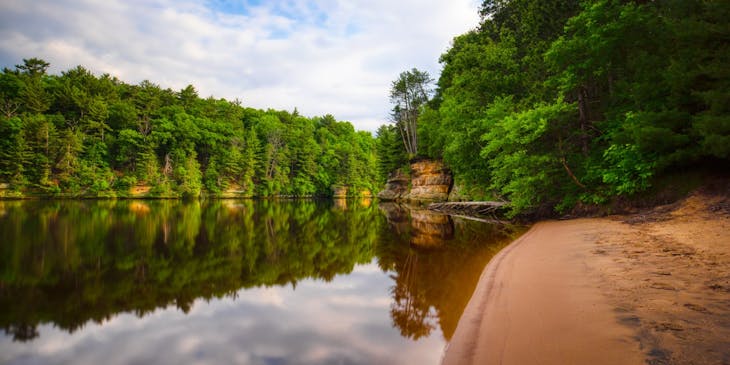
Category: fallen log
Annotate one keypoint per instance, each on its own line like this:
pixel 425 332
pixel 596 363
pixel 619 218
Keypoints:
pixel 470 208
pixel 477 219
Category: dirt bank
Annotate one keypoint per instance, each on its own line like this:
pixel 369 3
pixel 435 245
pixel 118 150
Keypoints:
pixel 649 288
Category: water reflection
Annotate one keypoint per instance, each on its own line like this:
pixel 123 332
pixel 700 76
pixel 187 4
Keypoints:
pixel 436 273
pixel 266 278
pixel 427 228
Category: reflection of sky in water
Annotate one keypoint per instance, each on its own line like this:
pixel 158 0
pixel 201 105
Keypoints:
pixel 345 321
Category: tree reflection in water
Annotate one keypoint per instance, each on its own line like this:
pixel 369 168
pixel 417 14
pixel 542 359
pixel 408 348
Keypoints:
pixel 436 262
pixel 411 312
pixel 70 262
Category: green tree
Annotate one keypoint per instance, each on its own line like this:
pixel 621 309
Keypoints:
pixel 409 94
pixel 70 147
pixel 33 92
pixel 14 153
pixel 80 134
pixel 391 151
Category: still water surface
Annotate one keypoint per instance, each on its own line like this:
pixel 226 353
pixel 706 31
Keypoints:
pixel 249 282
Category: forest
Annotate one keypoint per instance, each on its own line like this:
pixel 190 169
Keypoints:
pixel 81 135
pixel 546 104
pixel 555 104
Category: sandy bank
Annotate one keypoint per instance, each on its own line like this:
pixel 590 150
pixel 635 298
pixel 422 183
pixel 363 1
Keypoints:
pixel 651 288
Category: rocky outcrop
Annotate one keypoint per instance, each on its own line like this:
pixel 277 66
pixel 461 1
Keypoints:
pixel 396 187
pixel 339 191
pixel 430 180
pixel 139 191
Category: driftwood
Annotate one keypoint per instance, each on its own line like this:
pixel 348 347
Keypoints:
pixel 488 208
pixel 477 219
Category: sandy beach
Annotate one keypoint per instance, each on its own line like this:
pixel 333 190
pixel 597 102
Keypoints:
pixel 648 288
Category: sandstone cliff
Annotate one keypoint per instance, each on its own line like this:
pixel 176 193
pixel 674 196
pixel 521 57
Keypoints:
pixel 395 188
pixel 430 181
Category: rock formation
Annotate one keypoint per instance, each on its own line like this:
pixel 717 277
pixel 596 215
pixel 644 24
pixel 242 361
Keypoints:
pixel 339 191
pixel 395 188
pixel 429 181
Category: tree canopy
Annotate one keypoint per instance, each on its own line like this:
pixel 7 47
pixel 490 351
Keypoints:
pixel 78 134
pixel 409 93
pixel 550 104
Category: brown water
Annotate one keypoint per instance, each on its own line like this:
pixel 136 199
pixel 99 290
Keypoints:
pixel 125 282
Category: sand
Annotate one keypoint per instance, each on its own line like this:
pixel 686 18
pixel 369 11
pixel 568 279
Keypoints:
pixel 652 288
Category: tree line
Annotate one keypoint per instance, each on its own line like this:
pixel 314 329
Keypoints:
pixel 552 104
pixel 78 134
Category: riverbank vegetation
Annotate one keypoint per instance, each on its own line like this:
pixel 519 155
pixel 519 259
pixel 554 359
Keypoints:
pixel 81 135
pixel 548 105
pixel 556 104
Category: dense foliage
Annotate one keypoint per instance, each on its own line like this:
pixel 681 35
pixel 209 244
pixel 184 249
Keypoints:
pixel 552 103
pixel 391 150
pixel 77 134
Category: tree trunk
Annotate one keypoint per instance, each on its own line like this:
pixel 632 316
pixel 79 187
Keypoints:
pixel 583 117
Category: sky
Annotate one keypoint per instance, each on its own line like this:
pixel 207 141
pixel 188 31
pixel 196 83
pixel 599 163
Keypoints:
pixel 321 57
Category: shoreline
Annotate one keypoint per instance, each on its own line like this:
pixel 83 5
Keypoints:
pixel 606 291
pixel 206 197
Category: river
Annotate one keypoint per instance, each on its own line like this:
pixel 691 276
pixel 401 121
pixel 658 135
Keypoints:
pixel 234 281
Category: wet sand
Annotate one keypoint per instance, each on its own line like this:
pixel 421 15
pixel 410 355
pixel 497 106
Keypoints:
pixel 652 288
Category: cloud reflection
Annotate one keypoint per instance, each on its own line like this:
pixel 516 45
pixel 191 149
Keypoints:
pixel 179 300
pixel 312 324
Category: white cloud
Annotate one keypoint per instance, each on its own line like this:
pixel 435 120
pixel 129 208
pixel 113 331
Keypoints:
pixel 335 56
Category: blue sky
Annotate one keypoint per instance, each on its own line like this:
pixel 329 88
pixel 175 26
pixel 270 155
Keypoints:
pixel 330 56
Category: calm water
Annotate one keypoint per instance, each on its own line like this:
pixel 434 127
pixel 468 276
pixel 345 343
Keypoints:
pixel 140 282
